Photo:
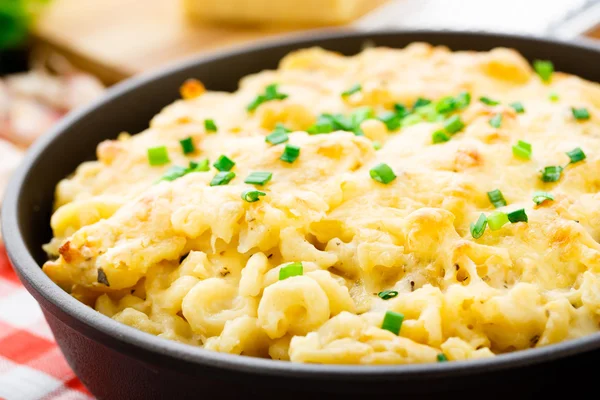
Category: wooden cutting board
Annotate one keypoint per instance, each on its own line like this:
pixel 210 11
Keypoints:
pixel 114 39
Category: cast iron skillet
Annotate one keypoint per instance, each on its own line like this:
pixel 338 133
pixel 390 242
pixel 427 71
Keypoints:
pixel 118 362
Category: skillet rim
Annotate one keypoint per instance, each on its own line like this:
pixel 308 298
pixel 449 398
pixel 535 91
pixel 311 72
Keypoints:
pixel 44 290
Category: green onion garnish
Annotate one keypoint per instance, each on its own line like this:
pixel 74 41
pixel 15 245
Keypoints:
pixel 442 357
pixel 359 116
pixel 411 119
pixel 446 105
pixel 554 97
pixel 497 220
pixel 252 195
pixel 518 107
pixel 258 178
pixel 279 135
pixel 576 155
pixel 387 294
pixel 478 227
pixel 580 114
pixel 292 269
pixel 421 102
pixel 222 178
pixel 290 153
pixel 271 93
pixel 382 173
pixel 173 173
pixel 158 155
pixel 400 109
pixel 439 137
pixel 551 173
pixel 522 150
pixel 200 166
pixel 390 119
pixel 392 322
pixel 353 89
pixel 224 163
pixel 463 99
pixel 454 124
pixel 517 216
pixel 376 145
pixel 187 145
pixel 539 197
pixel 496 198
pixel 488 101
pixel 209 125
pixel 496 121
pixel 544 69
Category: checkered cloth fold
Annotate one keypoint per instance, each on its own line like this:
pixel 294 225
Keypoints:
pixel 31 364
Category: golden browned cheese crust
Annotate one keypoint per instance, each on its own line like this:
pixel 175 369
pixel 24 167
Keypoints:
pixel 196 263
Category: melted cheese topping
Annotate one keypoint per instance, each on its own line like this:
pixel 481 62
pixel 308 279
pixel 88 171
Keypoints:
pixel 196 263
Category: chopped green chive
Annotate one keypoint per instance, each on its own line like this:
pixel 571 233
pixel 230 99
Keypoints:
pixel 551 173
pixel 518 107
pixel 489 102
pixel 290 153
pixel 376 145
pixel 158 156
pixel 496 198
pixel 222 178
pixel 200 166
pixel 463 100
pixel 576 155
pixel 271 93
pixel 209 125
pixel 517 216
pixel 544 69
pixel 400 109
pixel 411 119
pixel 446 105
pixel 187 145
pixel 318 128
pixel 390 119
pixel 496 121
pixel 252 195
pixel 580 114
pixel 292 269
pixel 387 294
pixel 553 97
pixel 392 322
pixel 429 113
pixel 497 220
pixel 522 150
pixel 478 227
pixel 439 137
pixel 454 124
pixel 382 173
pixel 359 116
pixel 173 173
pixel 258 178
pixel 421 102
pixel 353 89
pixel 442 357
pixel 279 135
pixel 224 163
pixel 539 197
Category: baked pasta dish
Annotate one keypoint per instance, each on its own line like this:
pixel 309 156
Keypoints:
pixel 397 206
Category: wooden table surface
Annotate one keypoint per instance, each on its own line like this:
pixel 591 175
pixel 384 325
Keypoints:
pixel 142 35
pixel 147 34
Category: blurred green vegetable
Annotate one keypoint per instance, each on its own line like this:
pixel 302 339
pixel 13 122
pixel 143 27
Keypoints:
pixel 15 19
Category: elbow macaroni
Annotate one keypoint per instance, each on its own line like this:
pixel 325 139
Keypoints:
pixel 196 263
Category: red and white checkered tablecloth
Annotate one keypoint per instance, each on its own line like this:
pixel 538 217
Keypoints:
pixel 31 364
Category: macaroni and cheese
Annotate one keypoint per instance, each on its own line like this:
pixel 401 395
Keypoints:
pixel 397 206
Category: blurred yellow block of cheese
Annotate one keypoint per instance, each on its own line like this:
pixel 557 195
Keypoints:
pixel 313 12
